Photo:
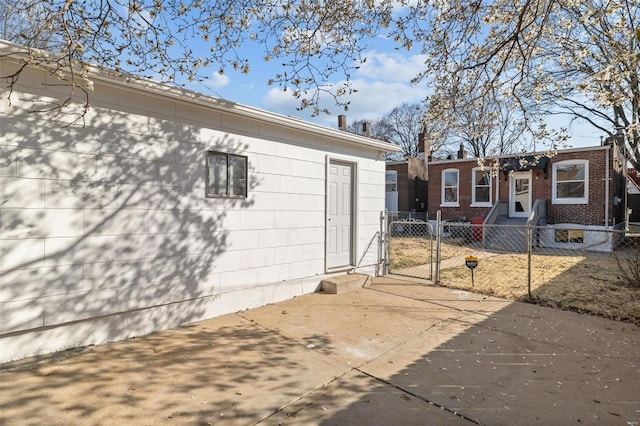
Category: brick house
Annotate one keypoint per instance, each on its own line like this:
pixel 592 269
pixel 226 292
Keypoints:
pixel 582 186
pixel 633 198
pixel 406 182
pixel 406 188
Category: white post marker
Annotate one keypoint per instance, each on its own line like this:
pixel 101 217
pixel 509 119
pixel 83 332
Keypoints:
pixel 471 262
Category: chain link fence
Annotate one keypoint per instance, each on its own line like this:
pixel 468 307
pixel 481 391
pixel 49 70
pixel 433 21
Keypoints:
pixel 581 268
pixel 528 256
pixel 400 216
pixel 410 248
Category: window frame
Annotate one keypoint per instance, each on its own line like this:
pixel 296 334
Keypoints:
pixel 229 179
pixel 443 202
pixel 569 236
pixel 474 185
pixel 554 183
pixel 394 182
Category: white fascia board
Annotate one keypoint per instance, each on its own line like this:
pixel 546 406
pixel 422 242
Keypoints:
pixel 183 95
pixel 9 51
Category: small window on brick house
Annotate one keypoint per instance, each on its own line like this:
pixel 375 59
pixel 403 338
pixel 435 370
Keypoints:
pixel 450 188
pixel 481 190
pixel 571 182
pixel 569 236
pixel 391 181
pixel 226 175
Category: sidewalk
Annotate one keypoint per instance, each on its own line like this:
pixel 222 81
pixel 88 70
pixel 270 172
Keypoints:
pixel 398 352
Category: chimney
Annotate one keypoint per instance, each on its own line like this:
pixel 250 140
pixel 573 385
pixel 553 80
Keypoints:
pixel 420 142
pixel 366 129
pixel 423 146
pixel 342 122
pixel 423 143
pixel 461 152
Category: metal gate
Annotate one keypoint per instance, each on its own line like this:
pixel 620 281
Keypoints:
pixel 410 248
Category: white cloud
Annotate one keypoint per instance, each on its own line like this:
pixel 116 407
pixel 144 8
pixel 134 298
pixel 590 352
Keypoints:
pixel 391 66
pixel 372 101
pixel 218 81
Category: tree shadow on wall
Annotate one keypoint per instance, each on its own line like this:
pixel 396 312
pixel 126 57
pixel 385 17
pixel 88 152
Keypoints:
pixel 108 217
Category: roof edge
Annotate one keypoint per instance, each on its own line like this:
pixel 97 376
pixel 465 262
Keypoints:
pixel 518 155
pixel 9 51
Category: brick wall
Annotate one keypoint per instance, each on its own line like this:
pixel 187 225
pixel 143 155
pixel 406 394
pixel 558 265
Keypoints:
pixel 588 214
pixel 464 211
pixel 407 190
pixel 592 213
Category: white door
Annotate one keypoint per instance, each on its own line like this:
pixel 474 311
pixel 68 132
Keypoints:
pixel 340 215
pixel 520 194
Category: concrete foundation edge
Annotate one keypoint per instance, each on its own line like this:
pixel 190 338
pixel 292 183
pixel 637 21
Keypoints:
pixel 141 322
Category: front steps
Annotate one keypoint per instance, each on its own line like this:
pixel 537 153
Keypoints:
pixel 343 283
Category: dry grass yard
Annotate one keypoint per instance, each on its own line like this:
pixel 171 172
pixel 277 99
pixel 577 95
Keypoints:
pixel 410 251
pixel 588 283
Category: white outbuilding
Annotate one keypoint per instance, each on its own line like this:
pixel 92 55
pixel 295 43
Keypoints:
pixel 161 206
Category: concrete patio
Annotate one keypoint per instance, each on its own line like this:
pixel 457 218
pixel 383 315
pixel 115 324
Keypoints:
pixel 398 352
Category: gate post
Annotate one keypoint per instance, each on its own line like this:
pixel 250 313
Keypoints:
pixel 437 277
pixel 380 269
pixel 529 250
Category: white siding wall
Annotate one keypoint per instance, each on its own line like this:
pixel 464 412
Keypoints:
pixel 105 232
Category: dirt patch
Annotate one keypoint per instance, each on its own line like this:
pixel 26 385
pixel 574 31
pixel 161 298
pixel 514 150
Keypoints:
pixel 588 283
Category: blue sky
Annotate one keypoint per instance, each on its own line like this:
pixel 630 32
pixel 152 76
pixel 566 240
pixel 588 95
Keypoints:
pixel 383 82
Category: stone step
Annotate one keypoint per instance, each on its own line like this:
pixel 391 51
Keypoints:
pixel 504 220
pixel 343 283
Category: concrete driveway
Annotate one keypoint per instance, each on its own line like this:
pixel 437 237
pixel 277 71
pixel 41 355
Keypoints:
pixel 398 352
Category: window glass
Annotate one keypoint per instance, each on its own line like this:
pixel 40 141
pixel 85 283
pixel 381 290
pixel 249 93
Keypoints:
pixel 569 236
pixel 217 166
pixel 482 186
pixel 391 181
pixel 451 179
pixel 570 182
pixel 570 190
pixel 450 195
pixel 450 186
pixel 226 175
pixel 570 172
pixel 482 178
pixel 482 194
pixel 237 175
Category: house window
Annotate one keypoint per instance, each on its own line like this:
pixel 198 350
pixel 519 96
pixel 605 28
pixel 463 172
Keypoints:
pixel 226 175
pixel 481 190
pixel 570 182
pixel 569 236
pixel 391 181
pixel 450 188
